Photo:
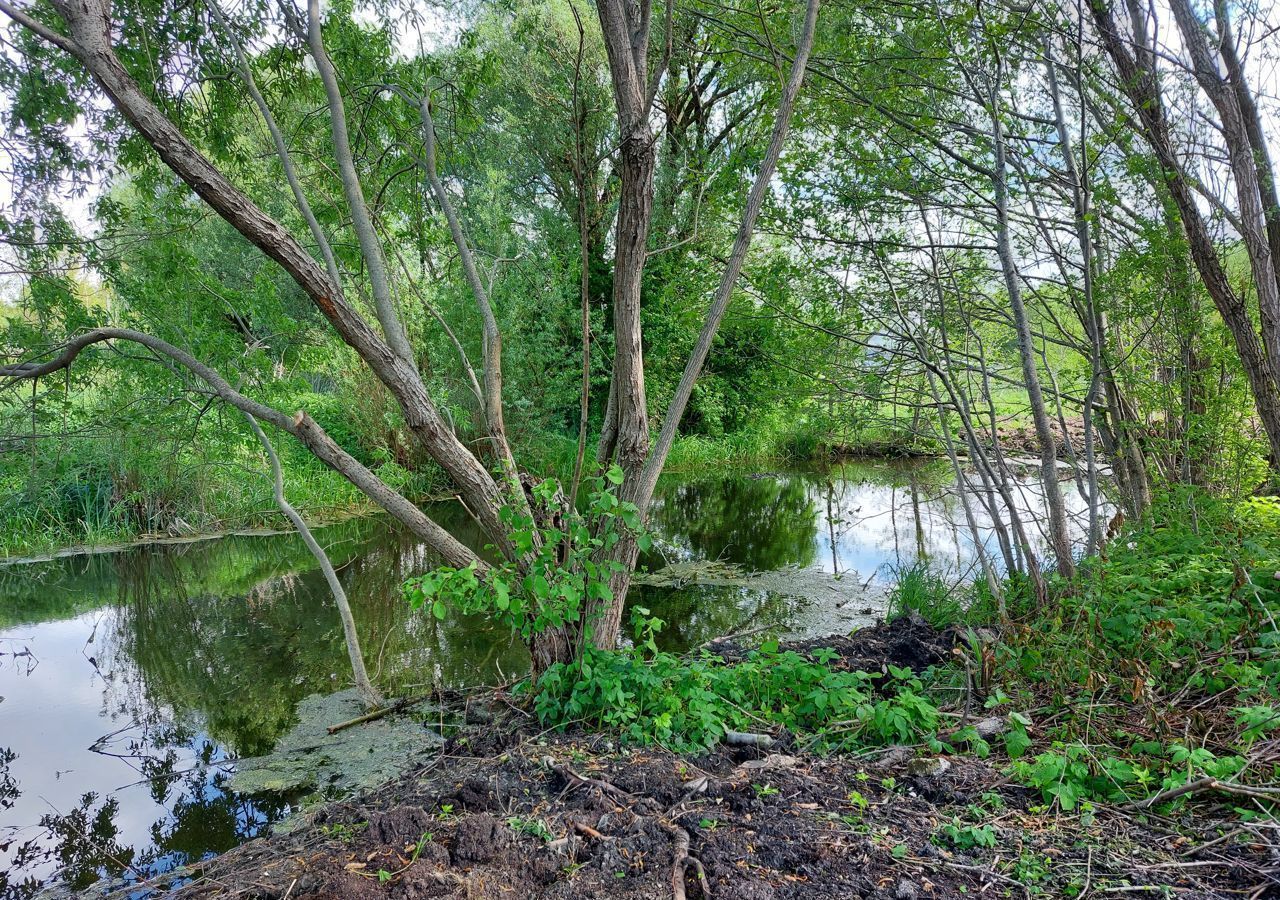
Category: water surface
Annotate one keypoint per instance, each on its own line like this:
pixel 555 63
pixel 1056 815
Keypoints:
pixel 130 680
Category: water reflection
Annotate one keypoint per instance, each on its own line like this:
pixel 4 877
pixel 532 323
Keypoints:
pixel 862 519
pixel 129 680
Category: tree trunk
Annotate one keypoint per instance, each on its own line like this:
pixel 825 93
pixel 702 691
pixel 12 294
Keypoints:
pixel 1059 538
pixel 1138 80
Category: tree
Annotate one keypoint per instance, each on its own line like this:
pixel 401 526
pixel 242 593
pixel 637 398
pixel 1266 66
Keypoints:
pixel 103 45
pixel 1134 56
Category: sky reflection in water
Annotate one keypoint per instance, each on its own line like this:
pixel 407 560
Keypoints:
pixel 149 668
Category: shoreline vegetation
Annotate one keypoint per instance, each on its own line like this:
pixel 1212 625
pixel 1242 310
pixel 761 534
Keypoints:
pixel 308 260
pixel 1065 751
pixel 112 529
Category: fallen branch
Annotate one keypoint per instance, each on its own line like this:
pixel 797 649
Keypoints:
pixel 398 706
pixel 1203 785
pixel 748 739
pixel 576 780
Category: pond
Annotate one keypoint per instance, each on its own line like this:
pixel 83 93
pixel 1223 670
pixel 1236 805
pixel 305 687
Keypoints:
pixel 130 680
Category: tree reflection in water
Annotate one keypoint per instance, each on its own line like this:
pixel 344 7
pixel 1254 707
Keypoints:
pixel 199 653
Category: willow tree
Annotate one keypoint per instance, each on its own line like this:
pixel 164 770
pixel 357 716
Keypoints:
pixel 142 58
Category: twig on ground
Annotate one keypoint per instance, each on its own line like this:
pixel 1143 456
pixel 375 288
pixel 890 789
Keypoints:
pixel 576 780
pixel 1202 785
pixel 387 710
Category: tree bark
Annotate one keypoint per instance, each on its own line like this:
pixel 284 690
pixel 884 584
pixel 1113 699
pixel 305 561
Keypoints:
pixel 640 482
pixel 1059 538
pixel 368 693
pixel 1248 168
pixel 1139 82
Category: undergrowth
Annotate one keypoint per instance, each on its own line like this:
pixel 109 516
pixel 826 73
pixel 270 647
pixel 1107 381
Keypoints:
pixel 688 704
pixel 1158 665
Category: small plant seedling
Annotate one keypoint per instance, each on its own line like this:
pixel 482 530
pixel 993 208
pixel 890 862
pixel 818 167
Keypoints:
pixel 531 826
pixel 764 790
pixel 343 831
pixel 967 837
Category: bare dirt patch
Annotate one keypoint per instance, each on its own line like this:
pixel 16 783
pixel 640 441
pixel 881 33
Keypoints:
pixel 510 811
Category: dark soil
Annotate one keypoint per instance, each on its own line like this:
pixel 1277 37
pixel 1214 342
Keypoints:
pixel 908 642
pixel 508 811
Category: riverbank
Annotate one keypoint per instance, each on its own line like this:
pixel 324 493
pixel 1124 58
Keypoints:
pixel 1146 685
pixel 37 531
pixel 509 809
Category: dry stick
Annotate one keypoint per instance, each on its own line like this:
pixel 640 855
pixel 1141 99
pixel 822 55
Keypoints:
pixel 368 693
pixel 376 714
pixel 1201 785
pixel 584 829
pixel 576 780
pixel 748 739
pixel 1221 839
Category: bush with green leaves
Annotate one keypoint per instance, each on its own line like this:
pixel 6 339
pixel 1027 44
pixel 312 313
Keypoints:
pixel 688 703
pixel 562 564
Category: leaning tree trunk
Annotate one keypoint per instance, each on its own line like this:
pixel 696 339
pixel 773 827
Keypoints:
pixel 1139 81
pixel 1058 535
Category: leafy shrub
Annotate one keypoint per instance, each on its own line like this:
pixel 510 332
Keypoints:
pixel 688 704
pixel 563 566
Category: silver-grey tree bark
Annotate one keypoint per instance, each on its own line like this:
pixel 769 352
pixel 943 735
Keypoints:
pixel 368 693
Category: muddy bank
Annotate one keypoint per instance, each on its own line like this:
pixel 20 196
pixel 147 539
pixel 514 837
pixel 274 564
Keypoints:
pixel 907 642
pixel 508 810
pixel 1015 439
pixel 571 816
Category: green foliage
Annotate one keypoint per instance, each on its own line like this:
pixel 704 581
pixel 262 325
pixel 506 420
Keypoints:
pixel 1157 614
pixel 921 590
pixel 1075 773
pixel 531 826
pixel 967 837
pixel 689 703
pixel 559 570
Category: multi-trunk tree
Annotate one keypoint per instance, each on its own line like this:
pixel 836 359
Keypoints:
pixel 347 268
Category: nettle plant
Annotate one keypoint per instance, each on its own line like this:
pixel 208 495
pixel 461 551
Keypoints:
pixel 562 566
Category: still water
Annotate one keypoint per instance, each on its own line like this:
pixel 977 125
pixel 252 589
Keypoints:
pixel 130 680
